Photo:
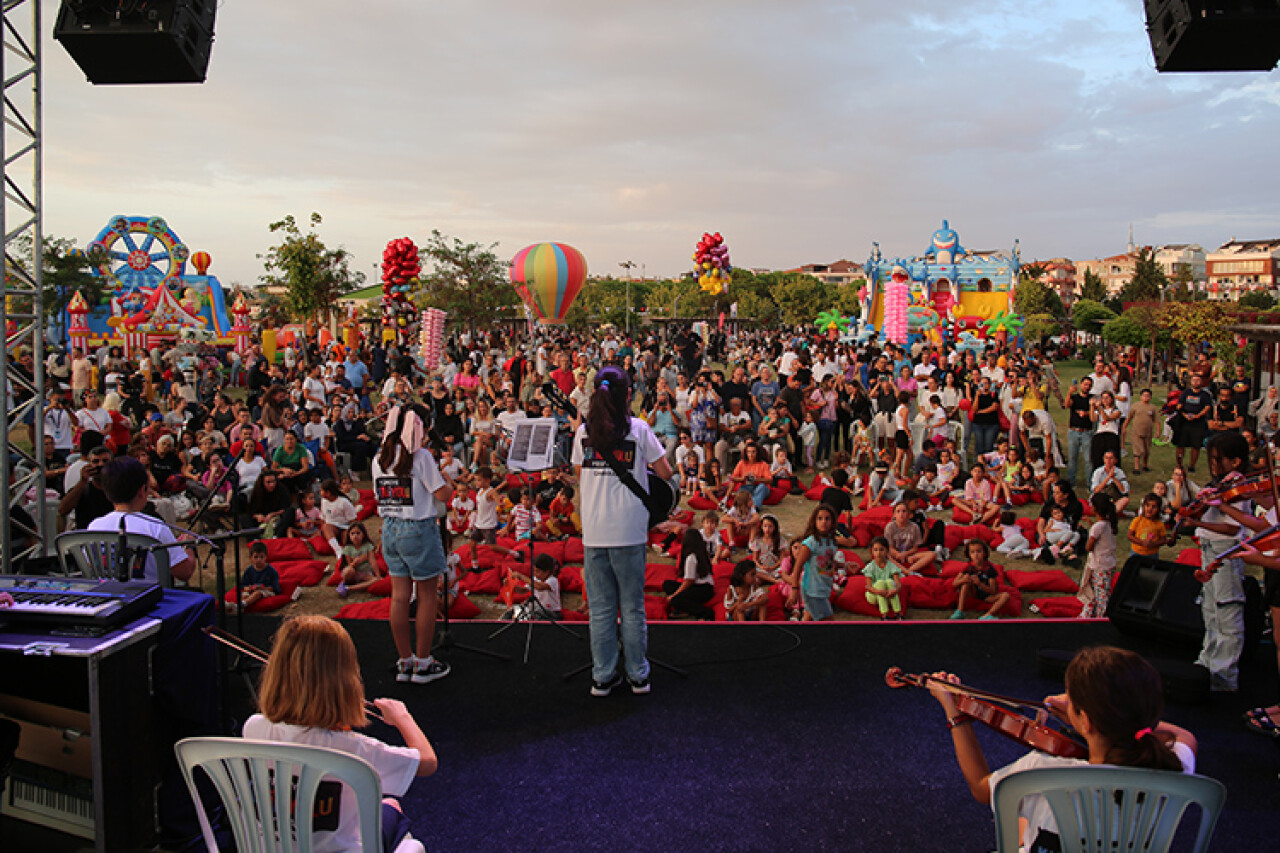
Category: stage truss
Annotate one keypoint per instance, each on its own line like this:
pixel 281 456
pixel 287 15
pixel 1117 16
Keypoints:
pixel 22 305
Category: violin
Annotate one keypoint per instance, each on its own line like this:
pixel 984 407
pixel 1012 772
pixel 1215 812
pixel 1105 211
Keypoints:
pixel 233 642
pixel 1234 487
pixel 985 707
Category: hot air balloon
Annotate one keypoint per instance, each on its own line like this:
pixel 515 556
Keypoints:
pixel 201 261
pixel 552 274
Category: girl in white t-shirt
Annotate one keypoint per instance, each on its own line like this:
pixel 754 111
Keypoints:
pixel 1114 700
pixel 312 694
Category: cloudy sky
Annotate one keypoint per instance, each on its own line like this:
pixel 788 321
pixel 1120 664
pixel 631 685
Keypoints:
pixel 802 130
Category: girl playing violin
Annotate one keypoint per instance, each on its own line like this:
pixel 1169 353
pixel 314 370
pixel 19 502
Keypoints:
pixel 1222 604
pixel 1113 700
pixel 312 694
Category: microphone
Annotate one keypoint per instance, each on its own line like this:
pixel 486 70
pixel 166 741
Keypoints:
pixel 122 552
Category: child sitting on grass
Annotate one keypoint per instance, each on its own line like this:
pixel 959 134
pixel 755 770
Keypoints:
pixel 742 521
pixel 563 520
pixel 337 514
pixel 359 570
pixel 981 580
pixel 259 581
pixel 305 519
pixel 745 599
pixel 545 584
pixel 1014 542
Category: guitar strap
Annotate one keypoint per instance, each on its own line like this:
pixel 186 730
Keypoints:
pixel 627 479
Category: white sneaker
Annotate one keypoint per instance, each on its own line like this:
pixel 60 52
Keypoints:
pixel 428 671
pixel 404 669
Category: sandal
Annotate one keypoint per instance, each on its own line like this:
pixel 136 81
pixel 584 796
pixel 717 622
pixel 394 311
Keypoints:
pixel 1263 726
pixel 1255 714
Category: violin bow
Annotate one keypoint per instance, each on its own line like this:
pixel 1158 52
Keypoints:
pixel 244 647
pixel 895 675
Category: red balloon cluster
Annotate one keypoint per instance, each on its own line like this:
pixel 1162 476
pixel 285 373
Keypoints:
pixel 400 269
pixel 712 259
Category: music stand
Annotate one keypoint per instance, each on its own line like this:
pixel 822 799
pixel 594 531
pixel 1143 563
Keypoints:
pixel 533 450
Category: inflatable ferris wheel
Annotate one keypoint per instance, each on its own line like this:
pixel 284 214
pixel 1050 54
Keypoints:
pixel 139 253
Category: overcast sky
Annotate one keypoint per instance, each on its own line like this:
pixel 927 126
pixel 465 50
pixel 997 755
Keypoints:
pixel 802 130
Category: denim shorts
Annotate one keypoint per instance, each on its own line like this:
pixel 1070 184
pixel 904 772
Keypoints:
pixel 413 549
pixel 819 606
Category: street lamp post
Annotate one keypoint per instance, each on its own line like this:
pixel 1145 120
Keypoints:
pixel 628 266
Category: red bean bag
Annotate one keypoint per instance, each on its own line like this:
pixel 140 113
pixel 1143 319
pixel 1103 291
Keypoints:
pixel 519 481
pixel 486 581
pixel 301 572
pixel 368 506
pixel 956 535
pixel 1028 526
pixel 685 516
pixel 853 562
pixel 1012 607
pixel 740 542
pixel 286 549
pixel 486 557
pixel 320 545
pixel 1058 607
pixel 462 607
pixel 814 492
pixel 775 609
pixel 655 608
pixel 1019 499
pixel 656 574
pixel 880 515
pixel 574 616
pixel 518 559
pixel 1189 557
pixel 381 588
pixel 862 534
pixel 1041 580
pixel 930 593
pixel 701 502
pixel 777 493
pixel 960 515
pixel 853 598
pixel 288 591
pixel 722 570
pixel 378 608
pixel 573 550
pixel 951 568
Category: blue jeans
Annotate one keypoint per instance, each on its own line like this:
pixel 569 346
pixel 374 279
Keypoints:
pixel 614 579
pixel 759 492
pixel 826 429
pixel 1079 444
pixel 413 549
pixel 984 436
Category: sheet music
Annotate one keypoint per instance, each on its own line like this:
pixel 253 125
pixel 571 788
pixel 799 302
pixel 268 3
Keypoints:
pixel 533 445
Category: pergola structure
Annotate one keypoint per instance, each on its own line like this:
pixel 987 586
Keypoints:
pixel 22 305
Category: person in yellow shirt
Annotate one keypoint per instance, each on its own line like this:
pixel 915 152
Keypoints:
pixel 1147 532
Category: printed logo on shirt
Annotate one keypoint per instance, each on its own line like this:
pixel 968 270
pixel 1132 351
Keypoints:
pixel 394 491
pixel 625 453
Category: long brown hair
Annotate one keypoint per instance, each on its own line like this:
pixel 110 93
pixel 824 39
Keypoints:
pixel 608 415
pixel 1123 697
pixel 313 678
pixel 394 457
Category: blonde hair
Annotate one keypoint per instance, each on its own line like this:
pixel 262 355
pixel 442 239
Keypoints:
pixel 313 678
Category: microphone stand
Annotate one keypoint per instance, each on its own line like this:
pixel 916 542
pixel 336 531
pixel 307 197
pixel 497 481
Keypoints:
pixel 213 493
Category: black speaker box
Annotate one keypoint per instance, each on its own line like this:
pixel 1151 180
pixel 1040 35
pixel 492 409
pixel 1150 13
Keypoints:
pixel 1214 35
pixel 1159 600
pixel 130 41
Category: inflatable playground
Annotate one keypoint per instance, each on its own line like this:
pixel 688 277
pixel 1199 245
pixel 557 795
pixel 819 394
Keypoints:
pixel 153 298
pixel 945 295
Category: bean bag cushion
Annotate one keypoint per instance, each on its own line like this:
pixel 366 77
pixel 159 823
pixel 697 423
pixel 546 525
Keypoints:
pixel 486 557
pixel 722 570
pixel 519 481
pixel 656 574
pixel 862 534
pixel 571 579
pixel 1058 607
pixel 853 562
pixel 814 492
pixel 368 506
pixel 776 494
pixel 573 550
pixel 853 598
pixel 518 559
pixel 701 502
pixel 740 542
pixel 956 535
pixel 1028 527
pixel 1189 557
pixel 461 607
pixel 684 516
pixel 1041 580
pixel 930 593
pixel 1019 499
pixel 381 588
pixel 951 568
pixel 655 608
pixel 286 549
pixel 288 590
pixel 301 572
pixel 378 608
pixel 881 515
pixel 321 545
pixel 486 581
pixel 775 609
pixel 574 616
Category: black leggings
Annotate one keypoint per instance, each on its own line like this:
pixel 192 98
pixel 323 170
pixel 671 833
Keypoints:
pixel 693 600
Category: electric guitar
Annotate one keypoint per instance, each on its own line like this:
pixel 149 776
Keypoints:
pixel 661 499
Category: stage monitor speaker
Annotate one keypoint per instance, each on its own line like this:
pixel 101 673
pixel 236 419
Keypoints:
pixel 1158 600
pixel 161 41
pixel 1214 35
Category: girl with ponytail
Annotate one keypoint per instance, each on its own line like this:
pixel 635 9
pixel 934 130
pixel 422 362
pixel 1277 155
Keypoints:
pixel 1114 700
pixel 615 529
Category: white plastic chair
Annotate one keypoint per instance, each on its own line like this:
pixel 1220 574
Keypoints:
pixel 256 781
pixel 1104 808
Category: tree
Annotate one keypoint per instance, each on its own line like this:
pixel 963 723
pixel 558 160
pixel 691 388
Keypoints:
pixel 1182 284
pixel 313 275
pixel 65 272
pixel 1093 289
pixel 1193 323
pixel 1040 326
pixel 1032 296
pixel 1148 282
pixel 467 280
pixel 800 297
pixel 1089 316
pixel 1257 300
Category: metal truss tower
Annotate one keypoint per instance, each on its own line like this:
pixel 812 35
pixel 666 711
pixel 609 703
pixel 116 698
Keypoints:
pixel 22 306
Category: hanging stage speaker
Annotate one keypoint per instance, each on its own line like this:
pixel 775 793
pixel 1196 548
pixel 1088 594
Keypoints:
pixel 138 41
pixel 1214 35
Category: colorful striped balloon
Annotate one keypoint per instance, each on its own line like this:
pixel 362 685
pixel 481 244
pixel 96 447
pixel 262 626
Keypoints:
pixel 549 277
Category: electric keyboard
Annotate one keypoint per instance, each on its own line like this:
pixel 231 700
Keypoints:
pixel 81 602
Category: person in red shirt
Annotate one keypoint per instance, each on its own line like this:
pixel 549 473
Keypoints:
pixel 563 375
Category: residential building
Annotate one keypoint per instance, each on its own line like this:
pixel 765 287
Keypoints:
pixel 1060 274
pixel 840 272
pixel 1173 255
pixel 1115 271
pixel 1239 266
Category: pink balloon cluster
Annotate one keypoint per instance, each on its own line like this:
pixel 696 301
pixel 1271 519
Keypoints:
pixel 897 297
pixel 712 259
pixel 432 337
